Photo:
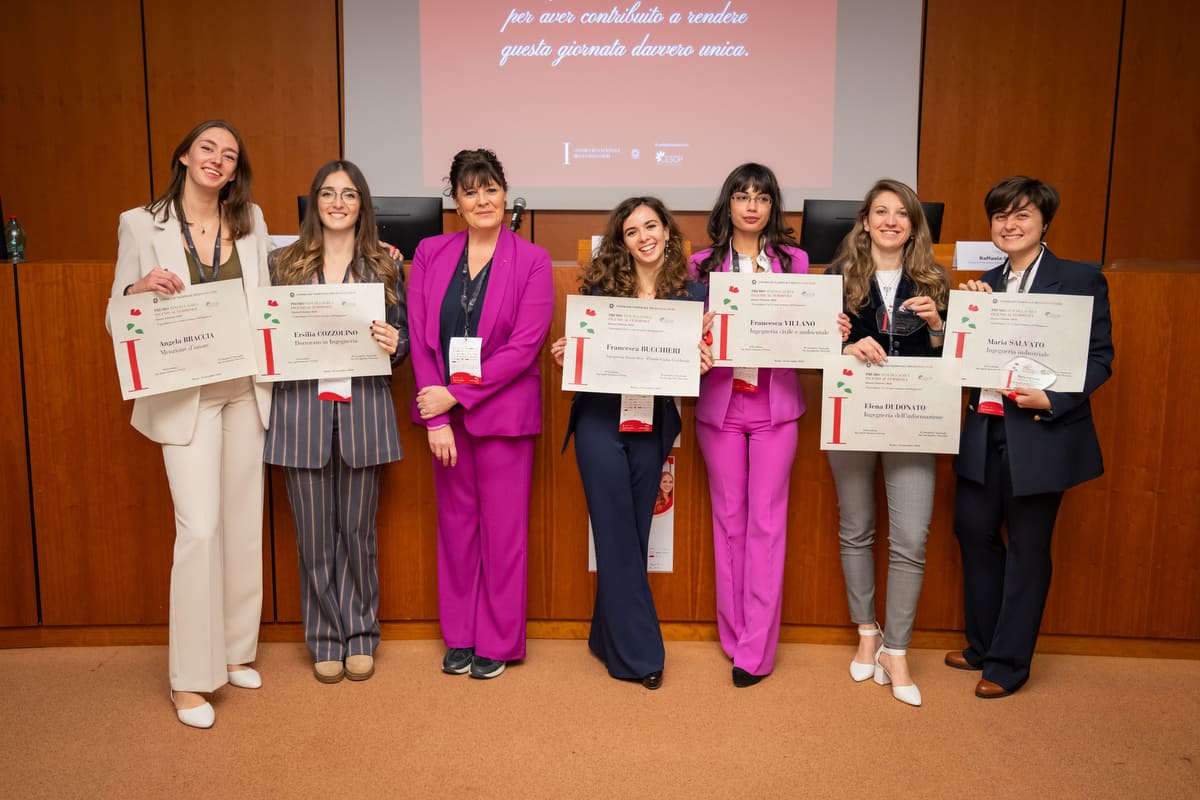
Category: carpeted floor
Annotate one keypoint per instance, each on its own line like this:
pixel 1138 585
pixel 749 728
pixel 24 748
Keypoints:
pixel 96 722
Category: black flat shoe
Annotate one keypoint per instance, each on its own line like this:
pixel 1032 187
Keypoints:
pixel 742 679
pixel 653 680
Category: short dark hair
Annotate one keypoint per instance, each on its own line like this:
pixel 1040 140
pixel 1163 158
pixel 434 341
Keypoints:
pixel 474 168
pixel 1020 191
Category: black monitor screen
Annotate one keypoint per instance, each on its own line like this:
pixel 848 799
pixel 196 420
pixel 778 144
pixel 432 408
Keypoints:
pixel 402 221
pixel 826 222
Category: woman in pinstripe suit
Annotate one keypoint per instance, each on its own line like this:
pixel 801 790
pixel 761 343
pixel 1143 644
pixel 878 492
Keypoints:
pixel 332 448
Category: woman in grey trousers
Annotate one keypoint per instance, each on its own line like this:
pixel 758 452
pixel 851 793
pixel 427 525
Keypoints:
pixel 896 298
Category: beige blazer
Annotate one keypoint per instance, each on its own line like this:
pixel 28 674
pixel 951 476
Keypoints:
pixel 146 242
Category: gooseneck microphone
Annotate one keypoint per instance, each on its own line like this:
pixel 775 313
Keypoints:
pixel 518 212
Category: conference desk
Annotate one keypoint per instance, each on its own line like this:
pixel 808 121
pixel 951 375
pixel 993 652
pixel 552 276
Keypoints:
pixel 89 539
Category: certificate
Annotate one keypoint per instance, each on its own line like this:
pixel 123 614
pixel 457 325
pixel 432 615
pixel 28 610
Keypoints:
pixel 1000 340
pixel 317 331
pixel 905 405
pixel 167 342
pixel 768 319
pixel 625 345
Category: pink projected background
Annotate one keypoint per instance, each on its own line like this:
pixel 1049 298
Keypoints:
pixel 671 93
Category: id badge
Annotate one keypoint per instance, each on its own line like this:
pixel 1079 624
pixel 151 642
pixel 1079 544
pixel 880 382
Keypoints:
pixel 990 402
pixel 464 360
pixel 745 379
pixel 334 389
pixel 637 413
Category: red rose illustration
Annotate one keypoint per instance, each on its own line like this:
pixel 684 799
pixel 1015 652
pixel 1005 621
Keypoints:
pixel 272 303
pixel 733 290
pixel 708 337
pixel 591 312
pixel 847 372
pixel 972 307
pixel 135 312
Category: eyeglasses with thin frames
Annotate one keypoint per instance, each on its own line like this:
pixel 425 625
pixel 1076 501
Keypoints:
pixel 349 196
pixel 746 199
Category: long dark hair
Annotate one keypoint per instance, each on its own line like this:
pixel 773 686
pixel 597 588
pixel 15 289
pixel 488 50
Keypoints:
pixel 612 271
pixel 772 238
pixel 298 262
pixel 234 198
pixel 854 262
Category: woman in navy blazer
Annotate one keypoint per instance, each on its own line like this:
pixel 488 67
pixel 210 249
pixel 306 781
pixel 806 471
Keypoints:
pixel 1020 451
pixel 746 428
pixel 332 448
pixel 641 255
pixel 484 290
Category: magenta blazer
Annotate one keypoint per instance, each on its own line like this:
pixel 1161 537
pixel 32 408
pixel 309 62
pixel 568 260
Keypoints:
pixel 716 387
pixel 513 324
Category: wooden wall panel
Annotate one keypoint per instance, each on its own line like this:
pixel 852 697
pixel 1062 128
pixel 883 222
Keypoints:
pixel 1155 166
pixel 18 587
pixel 270 68
pixel 74 132
pixel 1005 94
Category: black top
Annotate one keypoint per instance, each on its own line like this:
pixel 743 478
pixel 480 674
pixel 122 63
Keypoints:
pixel 865 323
pixel 455 319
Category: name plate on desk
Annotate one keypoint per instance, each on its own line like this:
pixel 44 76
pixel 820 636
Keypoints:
pixel 765 319
pixel 625 345
pixel 165 342
pixel 977 255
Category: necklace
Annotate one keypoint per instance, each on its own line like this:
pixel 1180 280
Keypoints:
pixel 888 289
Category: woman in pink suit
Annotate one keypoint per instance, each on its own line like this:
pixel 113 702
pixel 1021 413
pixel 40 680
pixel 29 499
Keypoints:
pixel 746 428
pixel 479 305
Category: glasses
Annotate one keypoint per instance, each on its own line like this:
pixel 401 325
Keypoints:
pixel 349 196
pixel 747 199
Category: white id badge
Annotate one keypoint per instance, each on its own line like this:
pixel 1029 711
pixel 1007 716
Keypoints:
pixel 745 379
pixel 990 402
pixel 335 389
pixel 464 360
pixel 637 413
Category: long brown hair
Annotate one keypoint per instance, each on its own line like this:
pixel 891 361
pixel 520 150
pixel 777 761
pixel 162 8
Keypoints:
pixel 298 262
pixel 234 199
pixel 854 262
pixel 612 271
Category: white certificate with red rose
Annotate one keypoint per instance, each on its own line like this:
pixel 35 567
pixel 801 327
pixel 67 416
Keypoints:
pixel 167 342
pixel 905 405
pixel 317 331
pixel 989 335
pixel 625 345
pixel 768 319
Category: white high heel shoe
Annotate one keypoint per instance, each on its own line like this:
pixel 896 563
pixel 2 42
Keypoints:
pixel 247 678
pixel 859 671
pixel 905 694
pixel 201 716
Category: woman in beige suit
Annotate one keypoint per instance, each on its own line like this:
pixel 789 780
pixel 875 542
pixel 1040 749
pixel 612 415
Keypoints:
pixel 204 228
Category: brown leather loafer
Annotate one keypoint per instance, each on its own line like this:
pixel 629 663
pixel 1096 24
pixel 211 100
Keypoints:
pixel 990 691
pixel 653 680
pixel 956 659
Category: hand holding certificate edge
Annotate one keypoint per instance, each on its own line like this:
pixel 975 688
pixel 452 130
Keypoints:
pixel 1022 396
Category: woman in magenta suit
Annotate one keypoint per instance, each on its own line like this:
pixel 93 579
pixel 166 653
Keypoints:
pixel 746 428
pixel 479 305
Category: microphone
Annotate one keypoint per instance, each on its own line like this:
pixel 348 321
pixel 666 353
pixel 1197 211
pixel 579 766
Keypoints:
pixel 518 211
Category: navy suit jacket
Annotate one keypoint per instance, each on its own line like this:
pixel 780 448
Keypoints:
pixel 1049 451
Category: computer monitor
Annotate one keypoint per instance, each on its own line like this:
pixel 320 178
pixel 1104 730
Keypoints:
pixel 402 221
pixel 826 222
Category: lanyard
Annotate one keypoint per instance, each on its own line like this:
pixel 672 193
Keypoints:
pixel 1007 273
pixel 469 306
pixel 187 234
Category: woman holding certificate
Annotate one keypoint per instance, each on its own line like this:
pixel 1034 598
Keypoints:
pixel 332 436
pixel 479 308
pixel 896 297
pixel 1021 450
pixel 746 428
pixel 204 228
pixel 641 255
